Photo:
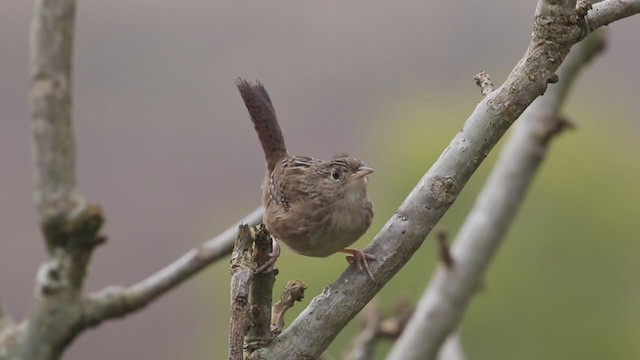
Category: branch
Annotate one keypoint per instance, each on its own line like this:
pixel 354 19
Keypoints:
pixel 117 301
pixel 70 224
pixel 442 306
pixel 312 332
pixel 242 268
pixel 452 349
pixel 293 291
pixel 606 12
pixel 261 294
pixel 51 45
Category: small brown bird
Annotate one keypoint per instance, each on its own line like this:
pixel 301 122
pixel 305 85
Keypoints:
pixel 316 207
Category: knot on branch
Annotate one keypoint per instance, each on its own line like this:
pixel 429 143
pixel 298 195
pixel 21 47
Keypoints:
pixel 49 277
pixel 443 189
pixel 556 26
pixel 74 231
pixel 582 8
pixel 483 80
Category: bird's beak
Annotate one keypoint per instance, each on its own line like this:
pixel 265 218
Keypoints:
pixel 362 172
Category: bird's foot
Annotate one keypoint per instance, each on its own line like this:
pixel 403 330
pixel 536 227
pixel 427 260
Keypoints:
pixel 360 259
pixel 273 256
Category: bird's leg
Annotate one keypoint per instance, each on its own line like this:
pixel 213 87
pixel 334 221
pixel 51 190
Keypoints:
pixel 273 256
pixel 360 259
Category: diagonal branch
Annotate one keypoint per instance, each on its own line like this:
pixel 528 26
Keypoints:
pixel 605 12
pixel 452 349
pixel 117 301
pixel 556 29
pixel 442 306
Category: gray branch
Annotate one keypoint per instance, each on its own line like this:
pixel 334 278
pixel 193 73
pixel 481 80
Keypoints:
pixel 242 268
pixel 51 47
pixel 69 224
pixel 117 301
pixel 261 293
pixel 605 12
pixel 452 349
pixel 556 29
pixel 442 306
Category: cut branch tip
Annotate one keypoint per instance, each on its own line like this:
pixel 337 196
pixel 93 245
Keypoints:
pixel 483 80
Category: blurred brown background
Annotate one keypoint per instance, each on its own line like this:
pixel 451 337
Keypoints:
pixel 166 146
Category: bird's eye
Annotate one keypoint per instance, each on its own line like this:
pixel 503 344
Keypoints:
pixel 335 174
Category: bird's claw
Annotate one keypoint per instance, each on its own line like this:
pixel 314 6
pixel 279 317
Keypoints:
pixel 360 259
pixel 273 256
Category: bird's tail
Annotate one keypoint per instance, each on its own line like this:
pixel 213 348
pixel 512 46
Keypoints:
pixel 264 119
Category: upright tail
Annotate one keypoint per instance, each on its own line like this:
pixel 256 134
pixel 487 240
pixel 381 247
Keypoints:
pixel 264 119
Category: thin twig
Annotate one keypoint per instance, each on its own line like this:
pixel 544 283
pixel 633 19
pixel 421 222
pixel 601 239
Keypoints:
pixel 242 267
pixel 443 249
pixel 292 292
pixel 443 303
pixel 117 301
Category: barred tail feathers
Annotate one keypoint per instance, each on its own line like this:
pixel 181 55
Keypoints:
pixel 264 119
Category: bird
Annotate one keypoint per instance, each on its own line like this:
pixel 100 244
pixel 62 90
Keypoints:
pixel 316 207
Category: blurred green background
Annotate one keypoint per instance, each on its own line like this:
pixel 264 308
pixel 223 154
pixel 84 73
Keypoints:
pixel 166 147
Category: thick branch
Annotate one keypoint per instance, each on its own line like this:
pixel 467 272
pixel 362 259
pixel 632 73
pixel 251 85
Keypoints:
pixel 51 45
pixel 315 328
pixel 70 225
pixel 442 306
pixel 117 301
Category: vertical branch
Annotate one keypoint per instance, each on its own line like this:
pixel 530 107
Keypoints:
pixel 50 64
pixel 69 224
pixel 241 273
pixel 261 294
